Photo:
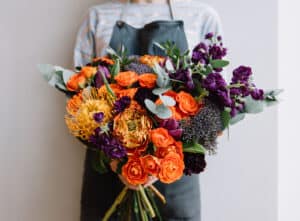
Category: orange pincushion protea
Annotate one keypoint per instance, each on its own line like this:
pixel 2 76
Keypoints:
pixel 132 126
pixel 80 113
pixel 151 60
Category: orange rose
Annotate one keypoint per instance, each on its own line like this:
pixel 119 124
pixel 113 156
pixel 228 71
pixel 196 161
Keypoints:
pixel 151 165
pixel 76 82
pixel 127 92
pixel 134 172
pixel 186 103
pixel 161 137
pixel 147 80
pixel 171 168
pixel 177 114
pixel 88 71
pixel 104 59
pixel 126 78
pixel 176 147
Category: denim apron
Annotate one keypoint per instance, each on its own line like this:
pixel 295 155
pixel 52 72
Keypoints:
pixel 100 190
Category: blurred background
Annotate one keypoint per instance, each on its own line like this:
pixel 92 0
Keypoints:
pixel 41 164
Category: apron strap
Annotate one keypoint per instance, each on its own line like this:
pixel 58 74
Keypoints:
pixel 124 8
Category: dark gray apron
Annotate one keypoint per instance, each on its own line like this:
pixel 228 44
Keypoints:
pixel 99 191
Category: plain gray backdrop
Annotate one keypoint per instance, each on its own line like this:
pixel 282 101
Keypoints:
pixel 41 163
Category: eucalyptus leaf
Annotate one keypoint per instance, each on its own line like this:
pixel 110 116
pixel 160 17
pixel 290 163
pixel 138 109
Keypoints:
pixel 47 71
pixel 159 91
pixel 66 75
pixel 163 112
pixel 193 148
pixel 253 106
pixel 163 79
pixel 237 118
pixel 151 106
pixel 218 63
pixel 167 100
pixel 169 65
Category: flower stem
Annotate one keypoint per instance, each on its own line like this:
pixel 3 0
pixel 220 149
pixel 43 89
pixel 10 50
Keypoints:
pixel 146 201
pixel 141 209
pixel 151 198
pixel 158 194
pixel 115 204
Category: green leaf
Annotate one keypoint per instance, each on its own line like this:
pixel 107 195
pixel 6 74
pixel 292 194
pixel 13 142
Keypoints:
pixel 218 63
pixel 167 100
pixel 225 115
pixel 237 118
pixel 253 106
pixel 116 68
pixel 193 148
pixel 100 162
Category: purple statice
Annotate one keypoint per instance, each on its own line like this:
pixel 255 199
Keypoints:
pixel 184 75
pixel 98 117
pixel 144 93
pixel 257 94
pixel 108 144
pixel 194 163
pixel 217 52
pixel 121 104
pixel 200 54
pixel 241 75
pixel 172 126
pixel 98 80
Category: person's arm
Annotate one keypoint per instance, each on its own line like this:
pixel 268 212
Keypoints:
pixel 212 24
pixel 85 47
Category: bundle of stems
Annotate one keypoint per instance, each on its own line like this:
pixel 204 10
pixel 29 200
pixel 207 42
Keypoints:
pixel 140 202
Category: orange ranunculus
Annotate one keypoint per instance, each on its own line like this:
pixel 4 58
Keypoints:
pixel 161 137
pixel 151 165
pixel 151 60
pixel 176 147
pixel 104 59
pixel 76 82
pixel 126 78
pixel 147 80
pixel 130 92
pixel 171 168
pixel 186 103
pixel 88 71
pixel 177 114
pixel 134 172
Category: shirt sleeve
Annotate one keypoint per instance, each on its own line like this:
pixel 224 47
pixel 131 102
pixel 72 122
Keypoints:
pixel 85 47
pixel 212 24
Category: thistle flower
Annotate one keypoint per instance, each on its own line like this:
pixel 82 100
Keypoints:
pixel 204 127
pixel 194 163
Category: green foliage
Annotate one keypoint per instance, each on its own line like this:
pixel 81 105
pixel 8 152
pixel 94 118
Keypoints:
pixel 163 80
pixel 193 148
pixel 225 118
pixel 100 162
pixel 219 63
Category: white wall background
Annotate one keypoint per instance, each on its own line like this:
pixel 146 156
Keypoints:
pixel 41 164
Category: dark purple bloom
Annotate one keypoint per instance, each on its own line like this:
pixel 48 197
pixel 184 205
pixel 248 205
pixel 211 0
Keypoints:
pixel 109 145
pixel 217 52
pixel 121 104
pixel 172 126
pixel 176 133
pixel 224 98
pixel 219 38
pixel 234 111
pixel 98 77
pixel 209 35
pixel 200 54
pixel 257 94
pixel 144 93
pixel 241 75
pixel 214 81
pixel 184 75
pixel 98 117
pixel 194 163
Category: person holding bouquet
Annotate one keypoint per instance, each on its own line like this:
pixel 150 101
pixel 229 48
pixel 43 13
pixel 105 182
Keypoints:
pixel 137 25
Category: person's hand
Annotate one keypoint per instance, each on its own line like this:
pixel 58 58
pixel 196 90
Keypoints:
pixel 151 179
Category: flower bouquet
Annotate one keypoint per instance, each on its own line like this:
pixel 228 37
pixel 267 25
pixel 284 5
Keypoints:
pixel 155 116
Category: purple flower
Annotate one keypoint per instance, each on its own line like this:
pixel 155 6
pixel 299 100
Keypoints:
pixel 224 98
pixel 241 75
pixel 184 75
pixel 209 35
pixel 219 38
pixel 144 93
pixel 194 163
pixel 109 145
pixel 214 81
pixel 98 77
pixel 98 117
pixel 172 126
pixel 217 52
pixel 121 104
pixel 257 94
pixel 200 54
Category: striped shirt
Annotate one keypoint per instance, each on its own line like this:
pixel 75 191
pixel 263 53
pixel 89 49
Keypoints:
pixel 95 32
